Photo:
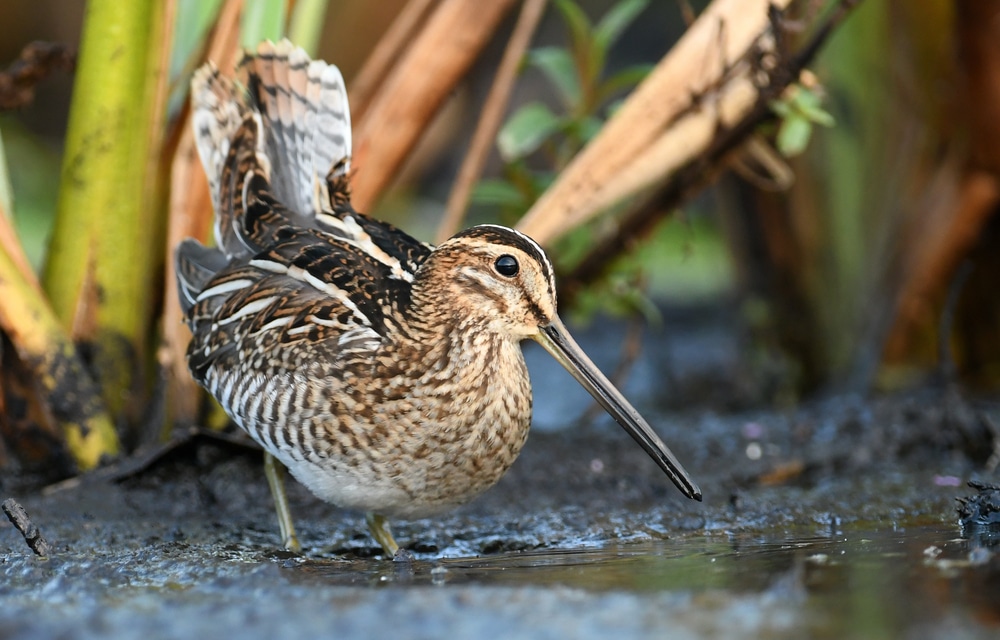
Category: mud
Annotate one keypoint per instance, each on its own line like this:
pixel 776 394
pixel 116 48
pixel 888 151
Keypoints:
pixel 836 519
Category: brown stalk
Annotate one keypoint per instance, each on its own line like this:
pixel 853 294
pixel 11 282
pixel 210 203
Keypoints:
pixel 491 118
pixel 190 216
pixel 665 123
pixel 387 52
pixel 416 88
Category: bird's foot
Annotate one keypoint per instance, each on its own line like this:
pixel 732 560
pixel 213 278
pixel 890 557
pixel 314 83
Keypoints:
pixel 275 473
pixel 403 555
pixel 379 528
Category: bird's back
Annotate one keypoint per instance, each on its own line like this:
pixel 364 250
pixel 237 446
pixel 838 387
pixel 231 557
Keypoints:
pixel 276 146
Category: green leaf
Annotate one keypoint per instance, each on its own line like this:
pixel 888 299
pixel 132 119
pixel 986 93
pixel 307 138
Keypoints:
pixel 526 130
pixel 615 21
pixel 627 78
pixel 581 41
pixel 498 193
pixel 793 136
pixel 306 25
pixel 803 103
pixel 587 128
pixel 810 104
pixel 558 67
pixel 193 21
pixel 782 108
pixel 580 30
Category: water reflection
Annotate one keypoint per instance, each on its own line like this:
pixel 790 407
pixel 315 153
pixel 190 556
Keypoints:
pixel 860 582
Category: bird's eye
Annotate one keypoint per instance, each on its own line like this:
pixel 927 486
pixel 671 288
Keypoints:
pixel 506 265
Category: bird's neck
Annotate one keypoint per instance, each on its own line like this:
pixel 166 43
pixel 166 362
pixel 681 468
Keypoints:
pixel 440 340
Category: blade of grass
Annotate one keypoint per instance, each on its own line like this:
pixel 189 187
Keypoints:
pixel 262 20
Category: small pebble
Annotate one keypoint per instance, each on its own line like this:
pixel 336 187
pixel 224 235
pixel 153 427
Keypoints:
pixel 438 575
pixel 980 556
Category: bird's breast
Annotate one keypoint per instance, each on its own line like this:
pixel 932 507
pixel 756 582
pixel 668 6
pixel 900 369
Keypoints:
pixel 402 438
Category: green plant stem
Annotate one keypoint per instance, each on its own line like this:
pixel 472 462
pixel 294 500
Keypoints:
pixel 101 258
pixel 306 24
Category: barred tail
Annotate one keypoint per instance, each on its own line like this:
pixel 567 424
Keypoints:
pixel 304 104
pixel 275 143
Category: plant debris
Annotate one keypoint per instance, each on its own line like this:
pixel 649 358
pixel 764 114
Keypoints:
pixel 32 535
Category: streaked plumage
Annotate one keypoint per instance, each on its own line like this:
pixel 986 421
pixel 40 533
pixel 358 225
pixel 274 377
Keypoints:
pixel 386 374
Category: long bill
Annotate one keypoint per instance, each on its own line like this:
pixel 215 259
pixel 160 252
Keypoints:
pixel 557 341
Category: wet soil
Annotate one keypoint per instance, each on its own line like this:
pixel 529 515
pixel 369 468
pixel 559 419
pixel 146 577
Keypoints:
pixel 836 519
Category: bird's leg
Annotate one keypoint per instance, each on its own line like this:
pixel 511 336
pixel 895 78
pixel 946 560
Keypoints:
pixel 380 531
pixel 275 473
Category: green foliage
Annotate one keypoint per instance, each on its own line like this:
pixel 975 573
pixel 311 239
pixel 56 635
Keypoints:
pixel 31 200
pixel 684 259
pixel 306 24
pixel 536 142
pixel 799 109
pixel 194 20
pixel 527 129
pixel 261 20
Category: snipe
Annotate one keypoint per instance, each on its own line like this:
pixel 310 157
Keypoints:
pixel 384 373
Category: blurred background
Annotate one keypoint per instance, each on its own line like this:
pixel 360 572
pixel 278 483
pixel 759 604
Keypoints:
pixel 864 262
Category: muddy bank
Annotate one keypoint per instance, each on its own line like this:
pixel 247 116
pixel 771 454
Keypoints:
pixel 584 536
pixel 837 462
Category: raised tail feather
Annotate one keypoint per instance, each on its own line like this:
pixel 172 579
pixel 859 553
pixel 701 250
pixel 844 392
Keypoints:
pixel 276 144
pixel 284 119
pixel 308 120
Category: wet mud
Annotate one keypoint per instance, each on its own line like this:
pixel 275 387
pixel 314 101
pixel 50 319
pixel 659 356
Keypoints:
pixel 835 519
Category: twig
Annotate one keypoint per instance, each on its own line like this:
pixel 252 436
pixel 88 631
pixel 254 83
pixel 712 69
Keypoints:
pixel 19 518
pixel 489 121
pixel 36 61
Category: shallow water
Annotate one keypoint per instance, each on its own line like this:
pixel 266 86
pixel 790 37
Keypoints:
pixel 913 579
pixel 906 581
pixel 861 543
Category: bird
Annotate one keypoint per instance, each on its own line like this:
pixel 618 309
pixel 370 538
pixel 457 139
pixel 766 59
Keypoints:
pixel 384 373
